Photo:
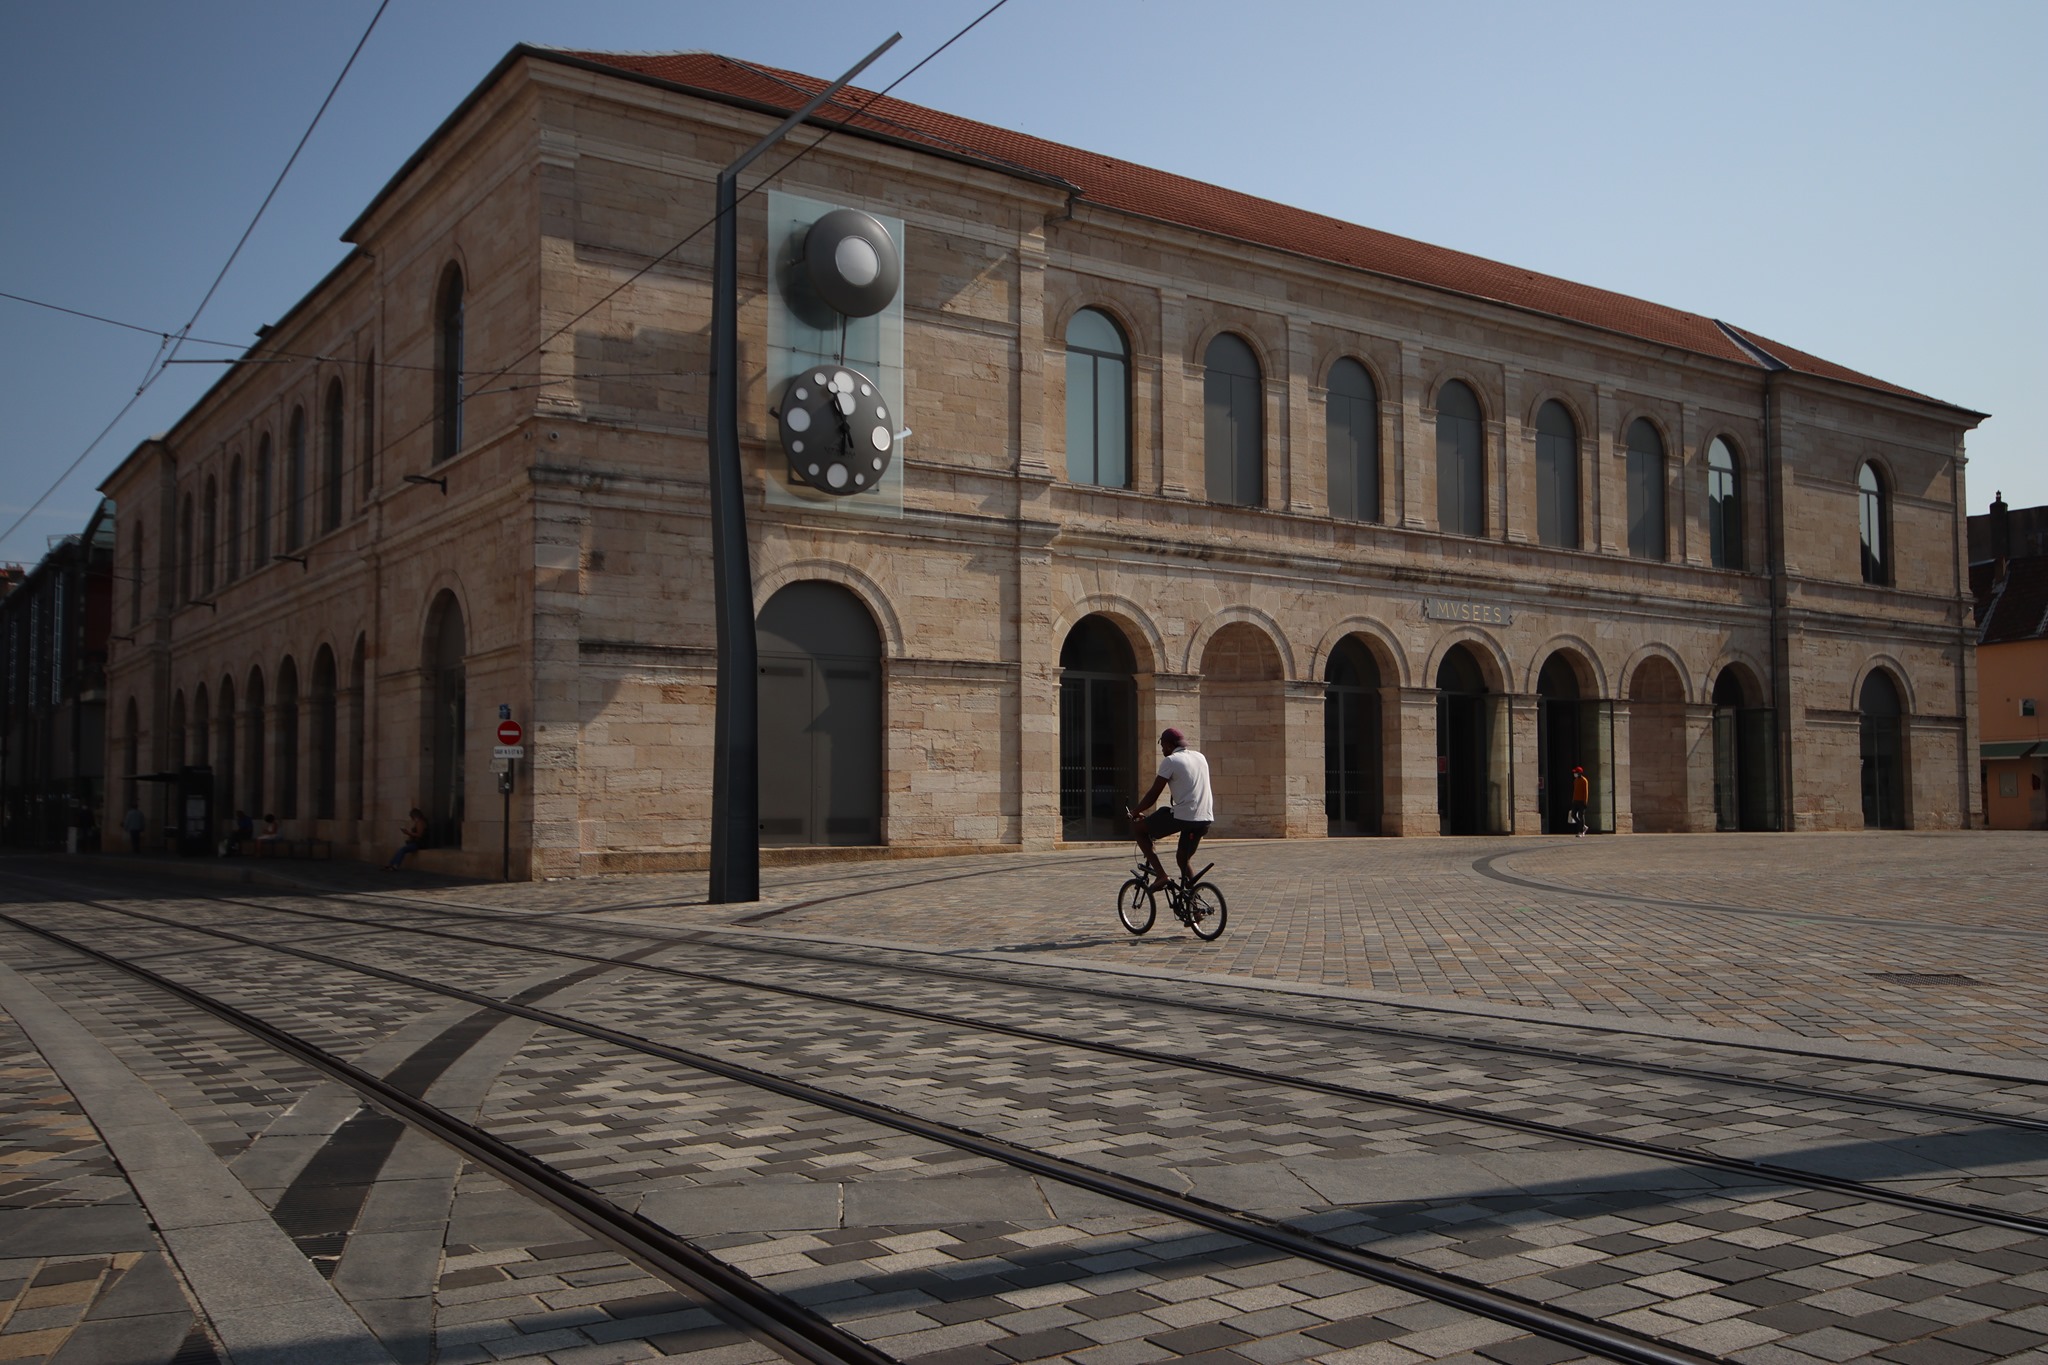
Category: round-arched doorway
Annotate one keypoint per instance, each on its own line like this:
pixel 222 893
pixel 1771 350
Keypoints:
pixel 820 727
pixel 1098 731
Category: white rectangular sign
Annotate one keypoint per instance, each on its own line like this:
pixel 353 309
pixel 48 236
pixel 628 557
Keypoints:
pixel 509 751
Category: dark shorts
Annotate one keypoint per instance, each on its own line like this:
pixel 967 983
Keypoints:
pixel 1163 822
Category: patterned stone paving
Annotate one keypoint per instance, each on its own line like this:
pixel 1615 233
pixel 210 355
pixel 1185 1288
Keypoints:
pixel 944 1257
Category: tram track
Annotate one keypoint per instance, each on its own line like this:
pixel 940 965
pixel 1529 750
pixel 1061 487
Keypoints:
pixel 732 1291
pixel 561 926
pixel 1747 1167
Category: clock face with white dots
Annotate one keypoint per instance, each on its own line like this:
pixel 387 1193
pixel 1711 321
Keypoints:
pixel 836 430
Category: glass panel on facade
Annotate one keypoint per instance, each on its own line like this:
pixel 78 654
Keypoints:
pixel 1098 401
pixel 1352 424
pixel 1724 507
pixel 1460 462
pixel 1233 423
pixel 1557 476
pixel 1870 503
pixel 1645 491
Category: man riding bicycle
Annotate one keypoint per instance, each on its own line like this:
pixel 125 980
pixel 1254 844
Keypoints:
pixel 1185 774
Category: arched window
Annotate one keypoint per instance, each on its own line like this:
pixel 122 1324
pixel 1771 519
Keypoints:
pixel 1098 401
pixel 1645 490
pixel 1352 425
pixel 209 537
pixel 1460 463
pixel 288 740
pixel 1234 435
pixel 259 552
pixel 233 543
pixel 369 425
pixel 253 727
pixel 1724 507
pixel 323 747
pixel 295 481
pixel 1874 522
pixel 187 550
pixel 135 578
pixel 330 510
pixel 448 366
pixel 1557 476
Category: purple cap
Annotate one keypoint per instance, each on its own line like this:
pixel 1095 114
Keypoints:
pixel 1174 737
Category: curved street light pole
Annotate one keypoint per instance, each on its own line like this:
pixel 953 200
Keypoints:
pixel 735 757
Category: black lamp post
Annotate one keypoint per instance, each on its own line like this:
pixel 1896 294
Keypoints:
pixel 735 753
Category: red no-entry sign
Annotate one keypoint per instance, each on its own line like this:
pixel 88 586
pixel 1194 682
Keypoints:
pixel 509 732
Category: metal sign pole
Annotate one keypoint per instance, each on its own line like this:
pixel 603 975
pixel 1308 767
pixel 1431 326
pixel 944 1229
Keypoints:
pixel 735 758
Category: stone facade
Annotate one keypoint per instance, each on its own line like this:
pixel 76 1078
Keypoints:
pixel 564 570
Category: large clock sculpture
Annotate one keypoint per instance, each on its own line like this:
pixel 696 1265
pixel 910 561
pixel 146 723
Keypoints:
pixel 835 428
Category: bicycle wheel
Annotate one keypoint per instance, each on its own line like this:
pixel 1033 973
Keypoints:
pixel 1135 905
pixel 1208 913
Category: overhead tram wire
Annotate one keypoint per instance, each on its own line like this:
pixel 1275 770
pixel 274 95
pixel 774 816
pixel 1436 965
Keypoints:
pixel 161 359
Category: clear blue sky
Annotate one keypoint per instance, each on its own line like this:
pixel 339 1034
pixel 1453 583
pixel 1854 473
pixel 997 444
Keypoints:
pixel 1866 181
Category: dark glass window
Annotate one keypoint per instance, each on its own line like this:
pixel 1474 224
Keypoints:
pixel 1460 463
pixel 369 425
pixel 209 538
pixel 1557 476
pixel 1645 491
pixel 260 553
pixel 295 481
pixel 234 536
pixel 1098 402
pixel 1724 507
pixel 448 367
pixel 330 511
pixel 187 546
pixel 1871 520
pixel 1234 422
pixel 1353 424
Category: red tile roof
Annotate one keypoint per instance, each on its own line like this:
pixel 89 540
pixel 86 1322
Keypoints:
pixel 1140 190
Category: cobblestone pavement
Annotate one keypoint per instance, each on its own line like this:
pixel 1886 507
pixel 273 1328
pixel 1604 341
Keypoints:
pixel 1857 957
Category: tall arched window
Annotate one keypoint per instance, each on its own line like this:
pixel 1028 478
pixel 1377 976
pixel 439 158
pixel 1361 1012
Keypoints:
pixel 1460 463
pixel 187 550
pixel 254 726
pixel 259 551
pixel 1234 435
pixel 1724 506
pixel 323 747
pixel 1873 524
pixel 448 366
pixel 1352 426
pixel 330 510
pixel 234 536
pixel 295 481
pixel 1557 476
pixel 288 740
pixel 1098 401
pixel 209 536
pixel 369 425
pixel 135 577
pixel 1645 490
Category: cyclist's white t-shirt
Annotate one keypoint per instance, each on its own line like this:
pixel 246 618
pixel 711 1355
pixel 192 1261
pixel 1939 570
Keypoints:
pixel 1187 784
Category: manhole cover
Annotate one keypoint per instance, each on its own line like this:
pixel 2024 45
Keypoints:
pixel 1928 978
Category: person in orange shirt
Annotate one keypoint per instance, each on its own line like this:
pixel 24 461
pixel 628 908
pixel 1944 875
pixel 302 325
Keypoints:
pixel 1582 792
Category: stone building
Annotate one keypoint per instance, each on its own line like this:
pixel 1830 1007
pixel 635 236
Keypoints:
pixel 53 690
pixel 1397 535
